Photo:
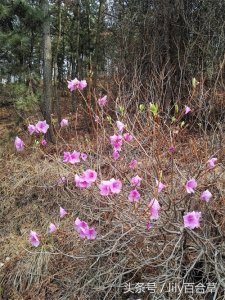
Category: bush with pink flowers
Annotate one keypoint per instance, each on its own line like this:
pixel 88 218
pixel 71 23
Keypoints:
pixel 138 202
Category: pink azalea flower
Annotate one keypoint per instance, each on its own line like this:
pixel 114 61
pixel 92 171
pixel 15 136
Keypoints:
pixel 172 149
pixel 97 119
pixel 81 182
pixel 82 84
pixel 116 142
pixel 134 196
pixel 154 209
pixel 19 144
pixel 211 162
pixel 42 126
pixel 81 227
pixel 62 212
pixel 135 181
pixel 52 228
pixel 31 128
pixel 116 155
pixel 66 156
pixel 90 175
pixel 120 126
pixel 187 109
pixel 102 101
pixel 73 84
pixel 191 185
pixel 192 220
pixel 64 123
pixel 149 226
pixel 74 157
pixel 160 186
pixel 115 186
pixel 91 233
pixel 83 156
pixel 133 164
pixel 127 137
pixel 62 180
pixel 43 142
pixel 206 196
pixel 104 187
pixel 34 238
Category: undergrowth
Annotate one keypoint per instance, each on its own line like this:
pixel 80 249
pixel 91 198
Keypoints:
pixel 127 260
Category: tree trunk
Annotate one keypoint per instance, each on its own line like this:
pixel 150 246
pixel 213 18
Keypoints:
pixel 47 71
pixel 56 65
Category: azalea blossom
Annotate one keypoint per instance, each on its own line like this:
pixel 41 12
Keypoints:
pixel 62 180
pixel 191 185
pixel 116 142
pixel 187 109
pixel 66 156
pixel 19 144
pixel 192 219
pixel 64 123
pixel 34 238
pixel 52 228
pixel 211 162
pixel 134 196
pixel 160 186
pixel 154 209
pixel 115 186
pixel 91 233
pixel 133 164
pixel 32 129
pixel 43 142
pixel 149 226
pixel 104 187
pixel 172 149
pixel 102 101
pixel 62 212
pixel 83 156
pixel 83 229
pixel 42 126
pixel 81 182
pixel 206 196
pixel 116 155
pixel 120 126
pixel 127 137
pixel 97 119
pixel 90 175
pixel 74 157
pixel 135 181
pixel 76 84
pixel 73 84
pixel 82 84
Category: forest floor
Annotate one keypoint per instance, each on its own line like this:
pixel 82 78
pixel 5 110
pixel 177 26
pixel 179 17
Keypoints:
pixel 64 268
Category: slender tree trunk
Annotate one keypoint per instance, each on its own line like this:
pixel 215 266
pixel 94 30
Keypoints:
pixel 56 65
pixel 75 55
pixel 47 70
pixel 97 42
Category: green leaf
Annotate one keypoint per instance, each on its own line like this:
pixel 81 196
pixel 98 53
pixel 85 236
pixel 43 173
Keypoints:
pixel 194 83
pixel 182 124
pixel 141 107
pixel 109 119
pixel 153 107
pixel 173 119
pixel 121 110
